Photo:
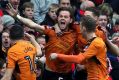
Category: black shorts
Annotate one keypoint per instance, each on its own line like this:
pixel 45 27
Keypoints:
pixel 48 75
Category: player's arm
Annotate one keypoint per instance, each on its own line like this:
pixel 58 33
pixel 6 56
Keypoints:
pixel 26 21
pixel 68 58
pixel 8 74
pixel 30 23
pixel 112 47
pixel 74 58
pixel 34 42
pixel 90 52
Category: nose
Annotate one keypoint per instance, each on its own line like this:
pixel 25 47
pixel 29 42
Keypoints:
pixel 31 12
pixel 16 1
pixel 66 5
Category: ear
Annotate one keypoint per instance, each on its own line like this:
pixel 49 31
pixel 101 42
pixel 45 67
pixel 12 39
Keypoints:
pixel 71 20
pixel 23 12
pixel 84 28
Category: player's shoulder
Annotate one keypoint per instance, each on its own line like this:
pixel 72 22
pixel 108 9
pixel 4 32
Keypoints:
pixel 20 46
pixel 98 42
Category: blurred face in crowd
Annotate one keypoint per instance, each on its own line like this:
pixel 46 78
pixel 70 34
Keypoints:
pixel 64 20
pixel 65 3
pixel 15 3
pixel 102 20
pixel 83 0
pixel 89 13
pixel 116 28
pixel 41 41
pixel 52 14
pixel 2 71
pixel 6 40
pixel 28 12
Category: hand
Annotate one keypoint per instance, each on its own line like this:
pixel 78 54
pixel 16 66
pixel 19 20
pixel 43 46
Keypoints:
pixel 53 56
pixel 105 32
pixel 80 67
pixel 29 36
pixel 11 10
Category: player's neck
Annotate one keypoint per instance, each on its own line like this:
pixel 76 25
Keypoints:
pixel 90 36
pixel 15 41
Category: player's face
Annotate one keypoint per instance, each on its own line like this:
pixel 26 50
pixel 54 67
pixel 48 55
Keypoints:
pixel 64 20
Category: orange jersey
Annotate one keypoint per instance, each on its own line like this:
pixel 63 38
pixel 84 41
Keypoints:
pixel 82 41
pixel 21 56
pixel 59 44
pixel 97 70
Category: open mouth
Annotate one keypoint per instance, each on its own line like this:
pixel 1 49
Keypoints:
pixel 62 23
pixel 6 42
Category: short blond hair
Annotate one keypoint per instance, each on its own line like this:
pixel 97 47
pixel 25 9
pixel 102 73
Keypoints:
pixel 54 7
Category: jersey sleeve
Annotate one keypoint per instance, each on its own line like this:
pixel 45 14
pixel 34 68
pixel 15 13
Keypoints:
pixel 90 52
pixel 50 32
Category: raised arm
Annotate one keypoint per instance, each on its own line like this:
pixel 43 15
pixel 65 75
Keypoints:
pixel 34 42
pixel 26 21
pixel 8 74
pixel 30 23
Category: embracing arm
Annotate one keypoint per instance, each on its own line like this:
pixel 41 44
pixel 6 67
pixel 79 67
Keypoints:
pixel 71 58
pixel 8 74
pixel 34 42
pixel 92 50
pixel 112 47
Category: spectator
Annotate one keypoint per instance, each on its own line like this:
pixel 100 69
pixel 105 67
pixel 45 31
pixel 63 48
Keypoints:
pixel 114 5
pixel 116 26
pixel 86 4
pixel 14 3
pixel 28 13
pixel 41 7
pixel 6 43
pixel 51 17
pixel 7 21
pixel 28 10
pixel 107 9
pixel 65 3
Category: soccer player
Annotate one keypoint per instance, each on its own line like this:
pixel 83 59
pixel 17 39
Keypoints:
pixel 94 54
pixel 20 56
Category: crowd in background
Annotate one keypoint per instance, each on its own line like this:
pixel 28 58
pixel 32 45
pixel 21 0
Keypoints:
pixel 47 13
